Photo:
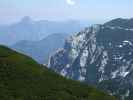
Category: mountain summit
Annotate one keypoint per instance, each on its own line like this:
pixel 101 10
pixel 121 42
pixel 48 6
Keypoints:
pixel 26 19
pixel 119 22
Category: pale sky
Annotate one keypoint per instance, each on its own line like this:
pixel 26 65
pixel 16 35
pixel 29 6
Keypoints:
pixel 93 10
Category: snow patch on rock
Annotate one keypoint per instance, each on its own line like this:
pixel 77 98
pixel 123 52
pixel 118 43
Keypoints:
pixel 81 78
pixel 103 62
pixel 83 58
pixel 63 72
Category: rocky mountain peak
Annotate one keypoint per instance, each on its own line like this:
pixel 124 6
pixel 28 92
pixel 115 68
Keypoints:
pixel 99 54
pixel 26 19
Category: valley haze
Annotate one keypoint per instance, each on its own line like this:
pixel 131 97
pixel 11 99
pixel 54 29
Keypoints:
pixel 66 50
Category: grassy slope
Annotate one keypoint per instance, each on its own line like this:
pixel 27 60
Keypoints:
pixel 21 78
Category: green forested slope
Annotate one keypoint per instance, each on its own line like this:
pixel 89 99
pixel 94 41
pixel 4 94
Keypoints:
pixel 21 78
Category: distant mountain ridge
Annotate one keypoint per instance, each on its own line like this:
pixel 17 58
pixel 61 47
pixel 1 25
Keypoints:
pixel 119 22
pixel 28 29
pixel 101 55
pixel 43 49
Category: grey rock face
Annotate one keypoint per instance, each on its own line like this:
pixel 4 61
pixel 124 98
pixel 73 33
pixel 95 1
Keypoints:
pixel 101 55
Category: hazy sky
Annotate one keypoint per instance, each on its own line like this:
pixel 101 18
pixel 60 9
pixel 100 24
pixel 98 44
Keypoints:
pixel 94 10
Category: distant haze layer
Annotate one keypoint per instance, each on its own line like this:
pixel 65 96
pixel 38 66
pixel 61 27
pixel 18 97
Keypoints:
pixel 28 29
pixel 96 10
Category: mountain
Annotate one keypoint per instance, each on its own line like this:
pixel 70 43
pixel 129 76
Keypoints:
pixel 21 78
pixel 28 29
pixel 101 55
pixel 119 22
pixel 41 50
